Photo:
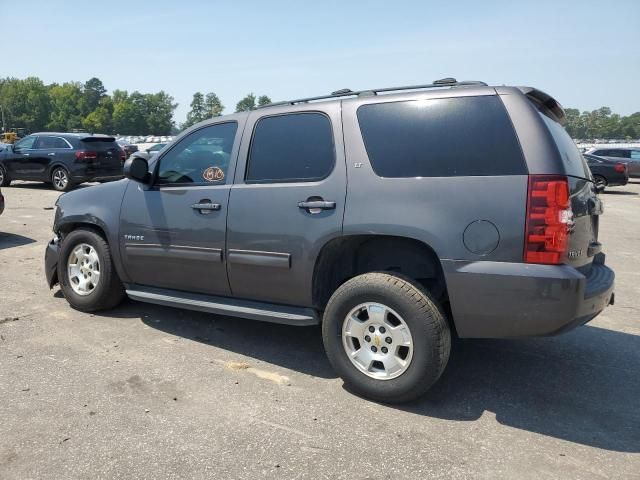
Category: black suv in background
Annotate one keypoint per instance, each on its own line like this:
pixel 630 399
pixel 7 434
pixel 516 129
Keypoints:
pixel 62 159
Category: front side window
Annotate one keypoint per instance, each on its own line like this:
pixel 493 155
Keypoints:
pixel 201 158
pixel 26 143
pixel 295 147
pixel 462 136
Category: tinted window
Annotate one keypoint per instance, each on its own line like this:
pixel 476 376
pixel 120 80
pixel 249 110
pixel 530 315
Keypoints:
pixel 635 154
pixel 289 148
pixel 51 142
pixel 572 159
pixel 202 157
pixel 617 153
pixel 441 138
pixel 25 143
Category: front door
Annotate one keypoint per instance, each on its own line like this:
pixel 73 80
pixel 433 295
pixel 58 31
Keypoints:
pixel 286 203
pixel 18 159
pixel 172 234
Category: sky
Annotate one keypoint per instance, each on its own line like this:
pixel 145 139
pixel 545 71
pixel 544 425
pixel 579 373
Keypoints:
pixel 586 53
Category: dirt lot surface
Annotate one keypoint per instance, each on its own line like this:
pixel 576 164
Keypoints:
pixel 151 392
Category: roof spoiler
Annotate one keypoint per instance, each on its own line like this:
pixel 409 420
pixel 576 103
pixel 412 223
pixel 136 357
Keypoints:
pixel 97 138
pixel 545 102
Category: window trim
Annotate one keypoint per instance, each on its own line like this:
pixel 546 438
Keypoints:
pixel 158 161
pixel 295 180
pixel 68 147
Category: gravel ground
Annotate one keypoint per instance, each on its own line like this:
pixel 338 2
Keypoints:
pixel 151 392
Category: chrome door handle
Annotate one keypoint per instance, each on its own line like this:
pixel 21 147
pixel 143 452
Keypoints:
pixel 317 205
pixel 26 154
pixel 52 154
pixel 206 207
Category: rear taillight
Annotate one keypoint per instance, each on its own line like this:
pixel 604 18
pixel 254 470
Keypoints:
pixel 83 155
pixel 549 218
pixel 123 154
pixel 620 167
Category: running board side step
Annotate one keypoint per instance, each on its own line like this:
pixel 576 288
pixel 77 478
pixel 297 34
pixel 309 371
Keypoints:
pixel 266 312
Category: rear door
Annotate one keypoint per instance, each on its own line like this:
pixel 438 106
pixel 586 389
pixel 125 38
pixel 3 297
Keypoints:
pixel 287 201
pixel 172 234
pixel 48 149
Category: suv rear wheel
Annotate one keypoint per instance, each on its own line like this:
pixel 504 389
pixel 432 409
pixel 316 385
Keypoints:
pixel 87 276
pixel 386 337
pixel 60 179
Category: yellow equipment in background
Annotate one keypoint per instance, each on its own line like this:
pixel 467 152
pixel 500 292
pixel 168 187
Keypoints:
pixel 12 136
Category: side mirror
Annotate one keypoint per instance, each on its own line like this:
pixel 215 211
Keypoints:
pixel 136 168
pixel 599 188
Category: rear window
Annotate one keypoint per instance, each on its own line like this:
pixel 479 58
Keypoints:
pixel 463 136
pixel 572 160
pixel 98 144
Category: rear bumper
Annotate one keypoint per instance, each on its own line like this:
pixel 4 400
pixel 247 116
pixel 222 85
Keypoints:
pixel 497 299
pixel 51 262
pixel 93 173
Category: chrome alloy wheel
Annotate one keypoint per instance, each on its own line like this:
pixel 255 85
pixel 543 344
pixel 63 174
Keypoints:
pixel 377 341
pixel 83 269
pixel 60 179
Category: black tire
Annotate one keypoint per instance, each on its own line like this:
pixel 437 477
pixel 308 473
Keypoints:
pixel 59 185
pixel 429 329
pixel 109 291
pixel 600 180
pixel 5 181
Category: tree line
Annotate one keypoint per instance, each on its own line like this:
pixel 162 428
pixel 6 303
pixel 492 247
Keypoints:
pixel 602 124
pixel 30 104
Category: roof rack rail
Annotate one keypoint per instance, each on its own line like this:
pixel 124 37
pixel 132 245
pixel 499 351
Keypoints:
pixel 345 92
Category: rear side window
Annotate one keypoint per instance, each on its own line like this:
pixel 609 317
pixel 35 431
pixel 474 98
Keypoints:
pixel 291 148
pixel 635 154
pixel 464 136
pixel 572 160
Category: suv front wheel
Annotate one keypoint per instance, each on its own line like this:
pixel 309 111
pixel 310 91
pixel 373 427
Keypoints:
pixel 386 337
pixel 87 276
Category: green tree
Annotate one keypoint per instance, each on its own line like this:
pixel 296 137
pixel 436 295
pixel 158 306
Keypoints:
pixel 159 113
pixel 213 105
pixel 197 112
pixel 247 104
pixel 66 107
pixel 26 103
pixel 100 120
pixel 92 92
pixel 263 100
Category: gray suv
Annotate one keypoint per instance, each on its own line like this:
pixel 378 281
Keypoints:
pixel 395 217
